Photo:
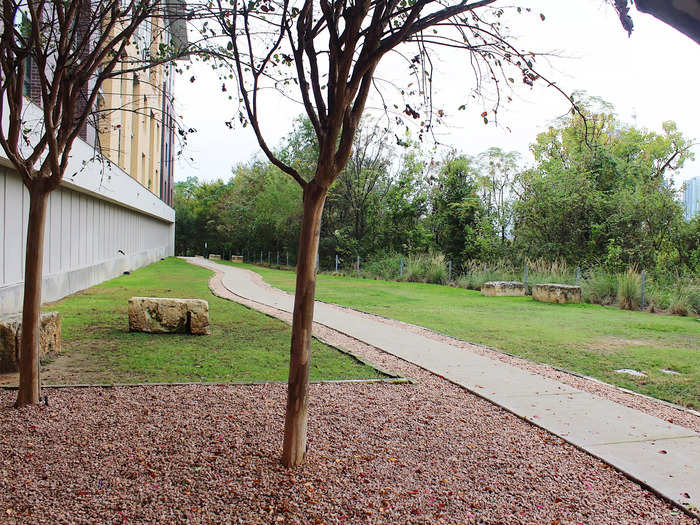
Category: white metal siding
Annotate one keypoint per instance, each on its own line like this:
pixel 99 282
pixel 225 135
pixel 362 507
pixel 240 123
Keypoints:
pixel 83 237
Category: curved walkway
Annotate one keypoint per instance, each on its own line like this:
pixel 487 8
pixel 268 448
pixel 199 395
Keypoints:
pixel 659 454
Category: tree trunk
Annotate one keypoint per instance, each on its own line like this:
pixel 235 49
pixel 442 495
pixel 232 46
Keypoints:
pixel 294 447
pixel 29 385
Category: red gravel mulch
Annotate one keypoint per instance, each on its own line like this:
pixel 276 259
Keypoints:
pixel 379 453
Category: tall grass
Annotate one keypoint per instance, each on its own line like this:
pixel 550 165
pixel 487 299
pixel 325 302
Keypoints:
pixel 425 268
pixel 599 288
pixel 386 267
pixel 629 290
pixel 476 273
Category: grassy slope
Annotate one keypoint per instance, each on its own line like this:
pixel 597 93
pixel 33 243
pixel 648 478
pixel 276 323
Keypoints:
pixel 590 339
pixel 244 346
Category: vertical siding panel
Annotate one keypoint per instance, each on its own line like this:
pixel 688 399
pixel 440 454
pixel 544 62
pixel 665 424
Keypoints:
pixel 85 229
pixel 56 228
pixel 47 237
pixel 65 229
pixel 2 226
pixel 25 224
pixel 102 231
pixel 13 227
pixel 90 224
pixel 74 230
pixel 110 232
pixel 95 231
pixel 98 231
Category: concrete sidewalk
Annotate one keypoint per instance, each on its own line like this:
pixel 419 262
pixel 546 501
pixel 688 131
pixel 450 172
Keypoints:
pixel 625 438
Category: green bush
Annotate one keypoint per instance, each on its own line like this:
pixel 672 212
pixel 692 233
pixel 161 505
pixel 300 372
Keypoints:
pixel 677 295
pixel 629 290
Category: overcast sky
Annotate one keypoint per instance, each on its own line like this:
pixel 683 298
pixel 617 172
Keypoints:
pixel 651 77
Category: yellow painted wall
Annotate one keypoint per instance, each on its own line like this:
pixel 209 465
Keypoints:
pixel 130 123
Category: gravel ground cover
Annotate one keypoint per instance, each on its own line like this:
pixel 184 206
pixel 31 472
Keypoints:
pixel 379 453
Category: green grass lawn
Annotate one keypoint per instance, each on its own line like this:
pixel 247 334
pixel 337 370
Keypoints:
pixel 589 339
pixel 245 345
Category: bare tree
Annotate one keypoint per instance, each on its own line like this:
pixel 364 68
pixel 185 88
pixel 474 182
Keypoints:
pixel 70 49
pixel 328 52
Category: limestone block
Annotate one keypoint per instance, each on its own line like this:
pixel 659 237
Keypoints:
pixel 11 339
pixel 503 289
pixel 556 293
pixel 214 256
pixel 199 316
pixel 168 315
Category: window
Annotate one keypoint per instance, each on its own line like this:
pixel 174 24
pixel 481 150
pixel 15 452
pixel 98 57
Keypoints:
pixel 145 38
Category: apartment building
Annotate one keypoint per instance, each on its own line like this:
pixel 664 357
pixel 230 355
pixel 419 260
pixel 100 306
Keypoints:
pixel 691 197
pixel 112 213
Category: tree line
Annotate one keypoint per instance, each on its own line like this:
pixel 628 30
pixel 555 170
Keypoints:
pixel 598 194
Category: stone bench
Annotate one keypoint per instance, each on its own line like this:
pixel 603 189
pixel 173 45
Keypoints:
pixel 503 289
pixel 237 258
pixel 215 256
pixel 556 293
pixel 160 315
pixel 11 339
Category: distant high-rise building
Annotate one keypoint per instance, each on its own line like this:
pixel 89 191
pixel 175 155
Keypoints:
pixel 691 197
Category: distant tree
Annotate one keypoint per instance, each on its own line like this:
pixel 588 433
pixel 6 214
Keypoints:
pixel 184 203
pixel 457 210
pixel 71 48
pixel 355 201
pixel 601 190
pixel 500 186
pixel 401 219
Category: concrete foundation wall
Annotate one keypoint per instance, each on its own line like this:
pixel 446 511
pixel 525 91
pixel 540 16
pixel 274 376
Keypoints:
pixel 84 234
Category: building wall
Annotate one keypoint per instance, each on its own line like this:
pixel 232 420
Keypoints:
pixel 132 136
pixel 83 238
pixel 691 197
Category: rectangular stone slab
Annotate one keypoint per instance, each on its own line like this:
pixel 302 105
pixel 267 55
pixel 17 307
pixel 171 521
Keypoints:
pixel 503 289
pixel 11 339
pixel 160 315
pixel 556 293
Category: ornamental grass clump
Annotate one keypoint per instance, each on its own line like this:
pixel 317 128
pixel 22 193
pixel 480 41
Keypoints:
pixel 629 290
pixel 426 268
pixel 476 273
pixel 600 288
pixel 679 305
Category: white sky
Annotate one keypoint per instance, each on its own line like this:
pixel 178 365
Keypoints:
pixel 654 75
